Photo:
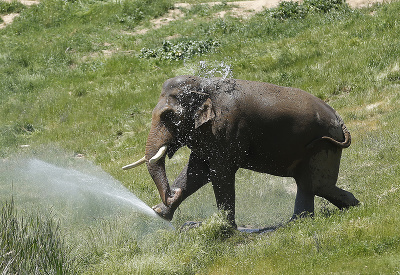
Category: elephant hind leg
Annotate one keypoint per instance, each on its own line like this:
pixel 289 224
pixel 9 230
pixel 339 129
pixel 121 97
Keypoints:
pixel 320 175
pixel 339 197
pixel 304 203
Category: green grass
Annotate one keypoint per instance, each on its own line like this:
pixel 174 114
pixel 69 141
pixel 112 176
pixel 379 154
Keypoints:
pixel 31 245
pixel 71 76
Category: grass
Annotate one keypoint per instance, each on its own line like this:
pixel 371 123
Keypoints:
pixel 31 245
pixel 71 76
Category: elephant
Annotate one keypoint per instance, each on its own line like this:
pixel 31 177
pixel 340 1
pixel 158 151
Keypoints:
pixel 230 124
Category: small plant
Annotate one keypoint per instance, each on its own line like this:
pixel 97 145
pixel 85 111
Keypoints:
pixel 288 9
pixel 324 6
pixel 394 76
pixel 216 227
pixel 10 7
pixel 181 50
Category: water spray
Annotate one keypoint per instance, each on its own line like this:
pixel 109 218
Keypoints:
pixel 72 195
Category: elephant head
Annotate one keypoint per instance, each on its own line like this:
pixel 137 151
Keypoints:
pixel 184 105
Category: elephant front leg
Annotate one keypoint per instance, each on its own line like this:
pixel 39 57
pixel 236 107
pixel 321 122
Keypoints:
pixel 224 190
pixel 195 175
pixel 167 212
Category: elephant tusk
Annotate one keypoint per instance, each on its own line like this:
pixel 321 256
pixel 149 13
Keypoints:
pixel 161 152
pixel 137 163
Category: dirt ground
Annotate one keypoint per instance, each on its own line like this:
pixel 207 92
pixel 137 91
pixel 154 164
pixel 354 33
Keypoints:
pixel 243 8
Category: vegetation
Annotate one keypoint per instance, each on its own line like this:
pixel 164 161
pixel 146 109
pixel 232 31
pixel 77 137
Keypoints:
pixel 290 9
pixel 180 50
pixel 72 76
pixel 31 245
pixel 10 7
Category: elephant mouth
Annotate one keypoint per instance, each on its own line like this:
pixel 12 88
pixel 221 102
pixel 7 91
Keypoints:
pixel 173 147
pixel 160 153
pixel 167 149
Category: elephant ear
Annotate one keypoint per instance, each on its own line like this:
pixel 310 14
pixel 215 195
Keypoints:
pixel 204 113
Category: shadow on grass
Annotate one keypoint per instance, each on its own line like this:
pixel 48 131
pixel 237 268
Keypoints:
pixel 192 224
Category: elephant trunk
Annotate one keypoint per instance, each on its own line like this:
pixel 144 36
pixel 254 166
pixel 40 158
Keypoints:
pixel 156 147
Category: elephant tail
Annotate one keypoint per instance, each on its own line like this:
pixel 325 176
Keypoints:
pixel 342 144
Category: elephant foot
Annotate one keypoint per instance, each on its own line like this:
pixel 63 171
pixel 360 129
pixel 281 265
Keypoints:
pixel 163 211
pixel 302 215
pixel 167 212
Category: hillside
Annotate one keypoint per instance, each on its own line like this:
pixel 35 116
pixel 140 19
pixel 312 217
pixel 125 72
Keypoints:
pixel 78 82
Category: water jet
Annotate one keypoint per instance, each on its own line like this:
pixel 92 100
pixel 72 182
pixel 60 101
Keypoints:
pixel 75 197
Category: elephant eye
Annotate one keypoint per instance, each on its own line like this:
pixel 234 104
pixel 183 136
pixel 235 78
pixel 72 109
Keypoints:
pixel 168 115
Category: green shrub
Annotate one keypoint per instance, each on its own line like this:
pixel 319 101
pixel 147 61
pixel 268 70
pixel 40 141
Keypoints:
pixel 291 9
pixel 288 9
pixel 180 50
pixel 324 6
pixel 394 76
pixel 11 7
